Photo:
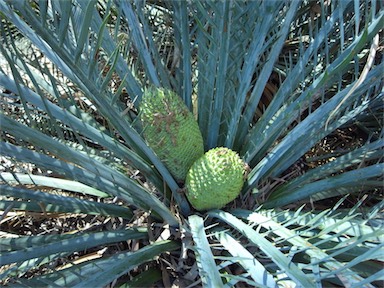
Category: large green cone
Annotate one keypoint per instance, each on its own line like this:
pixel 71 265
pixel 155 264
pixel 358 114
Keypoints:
pixel 171 130
pixel 215 179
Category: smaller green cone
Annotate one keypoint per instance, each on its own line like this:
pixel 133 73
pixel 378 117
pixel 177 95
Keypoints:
pixel 215 179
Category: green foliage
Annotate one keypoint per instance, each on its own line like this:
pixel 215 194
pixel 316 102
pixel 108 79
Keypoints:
pixel 274 81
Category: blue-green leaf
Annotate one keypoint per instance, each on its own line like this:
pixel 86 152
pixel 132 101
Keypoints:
pixel 209 273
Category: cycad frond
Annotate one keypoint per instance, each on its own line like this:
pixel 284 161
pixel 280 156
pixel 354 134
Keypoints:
pixel 321 248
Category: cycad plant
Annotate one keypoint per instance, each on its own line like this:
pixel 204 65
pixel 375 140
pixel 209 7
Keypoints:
pixel 294 87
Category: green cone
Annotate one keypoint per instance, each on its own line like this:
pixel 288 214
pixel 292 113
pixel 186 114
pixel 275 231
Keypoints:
pixel 215 179
pixel 171 130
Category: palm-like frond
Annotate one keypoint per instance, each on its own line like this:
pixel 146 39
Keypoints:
pixel 101 271
pixel 307 248
pixel 269 79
